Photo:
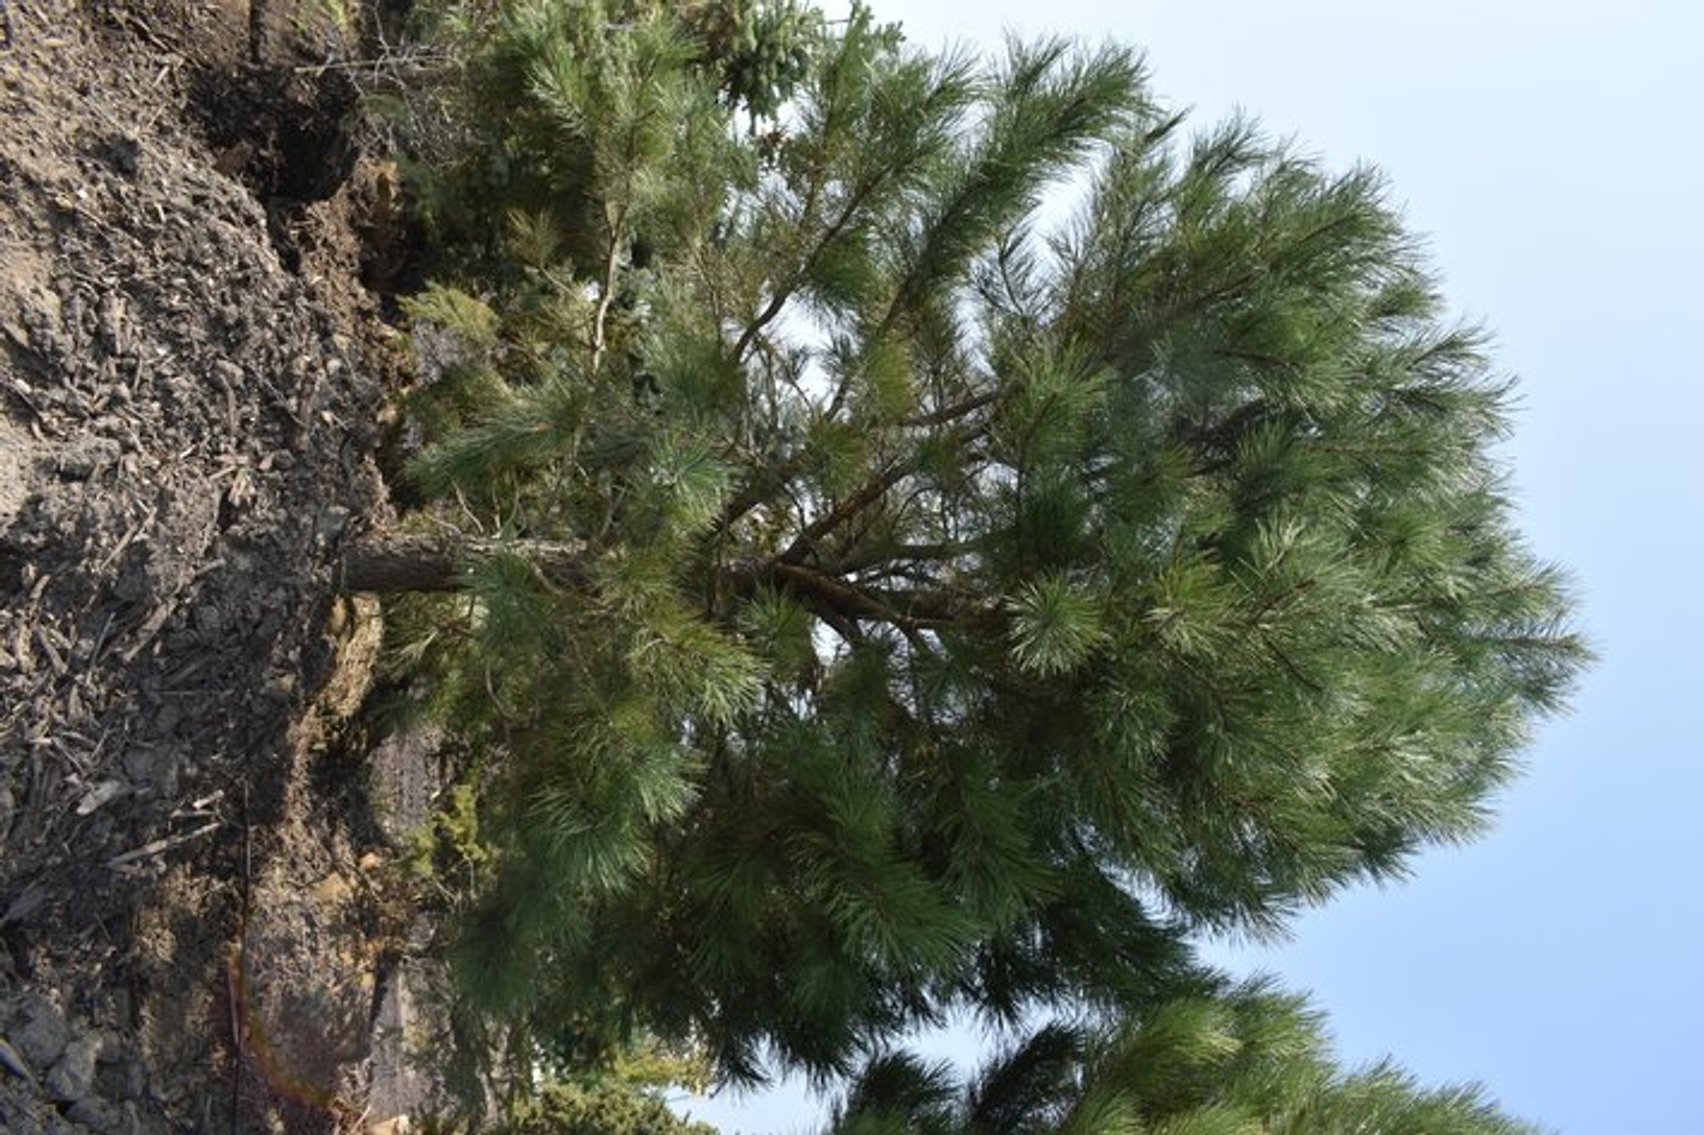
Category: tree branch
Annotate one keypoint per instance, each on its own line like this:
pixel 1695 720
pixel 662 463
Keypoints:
pixel 831 234
pixel 871 491
pixel 954 412
pixel 909 610
pixel 615 219
pixel 398 562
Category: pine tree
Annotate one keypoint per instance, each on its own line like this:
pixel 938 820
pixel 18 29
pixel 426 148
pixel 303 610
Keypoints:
pixel 595 1108
pixel 868 602
pixel 1237 1061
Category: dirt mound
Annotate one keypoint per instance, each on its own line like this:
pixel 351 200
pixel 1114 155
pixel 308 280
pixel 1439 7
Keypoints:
pixel 190 381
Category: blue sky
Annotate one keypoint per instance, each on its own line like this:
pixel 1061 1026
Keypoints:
pixel 1554 155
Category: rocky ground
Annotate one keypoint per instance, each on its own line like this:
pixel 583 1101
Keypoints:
pixel 197 909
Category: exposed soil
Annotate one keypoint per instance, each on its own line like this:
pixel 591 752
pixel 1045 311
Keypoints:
pixel 195 897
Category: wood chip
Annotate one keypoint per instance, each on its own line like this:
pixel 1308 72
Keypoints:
pixel 103 793
pixel 160 846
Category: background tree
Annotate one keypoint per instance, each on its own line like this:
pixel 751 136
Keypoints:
pixel 875 603
pixel 1239 1061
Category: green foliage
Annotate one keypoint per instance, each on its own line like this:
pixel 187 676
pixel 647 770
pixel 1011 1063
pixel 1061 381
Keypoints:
pixel 595 1108
pixel 1232 1061
pixel 448 852
pixel 762 51
pixel 574 114
pixel 901 609
pixel 1055 626
pixel 619 1091
pixel 468 318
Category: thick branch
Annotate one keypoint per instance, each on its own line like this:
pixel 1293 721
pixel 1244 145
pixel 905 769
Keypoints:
pixel 872 490
pixel 906 609
pixel 878 553
pixel 761 486
pixel 400 562
pixel 957 410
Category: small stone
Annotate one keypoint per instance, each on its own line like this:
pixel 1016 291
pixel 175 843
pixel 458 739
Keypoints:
pixel 12 1062
pixel 124 151
pixel 139 764
pixel 209 621
pixel 36 1030
pixel 74 1076
pixel 21 908
pixel 124 1079
pixel 78 462
pixel 98 1115
pixel 331 522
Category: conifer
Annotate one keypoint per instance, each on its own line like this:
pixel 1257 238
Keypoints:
pixel 871 598
pixel 1239 1060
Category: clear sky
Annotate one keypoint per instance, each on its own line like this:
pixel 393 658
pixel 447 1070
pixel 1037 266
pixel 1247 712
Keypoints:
pixel 1554 154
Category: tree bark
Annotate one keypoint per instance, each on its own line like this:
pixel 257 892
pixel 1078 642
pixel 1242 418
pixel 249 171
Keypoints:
pixel 396 562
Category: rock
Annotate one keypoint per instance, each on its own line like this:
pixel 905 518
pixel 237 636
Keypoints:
pixel 98 1115
pixel 13 1063
pixel 36 1030
pixel 123 1078
pixel 80 461
pixel 73 1077
pixel 139 762
pixel 22 1112
pixel 209 621
pixel 124 152
pixel 20 909
pixel 331 522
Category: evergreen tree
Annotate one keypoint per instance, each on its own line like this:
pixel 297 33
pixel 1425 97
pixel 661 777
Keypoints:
pixel 872 603
pixel 1239 1061
pixel 595 1108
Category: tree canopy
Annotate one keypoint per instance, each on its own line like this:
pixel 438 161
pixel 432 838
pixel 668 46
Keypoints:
pixel 1242 1061
pixel 882 595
